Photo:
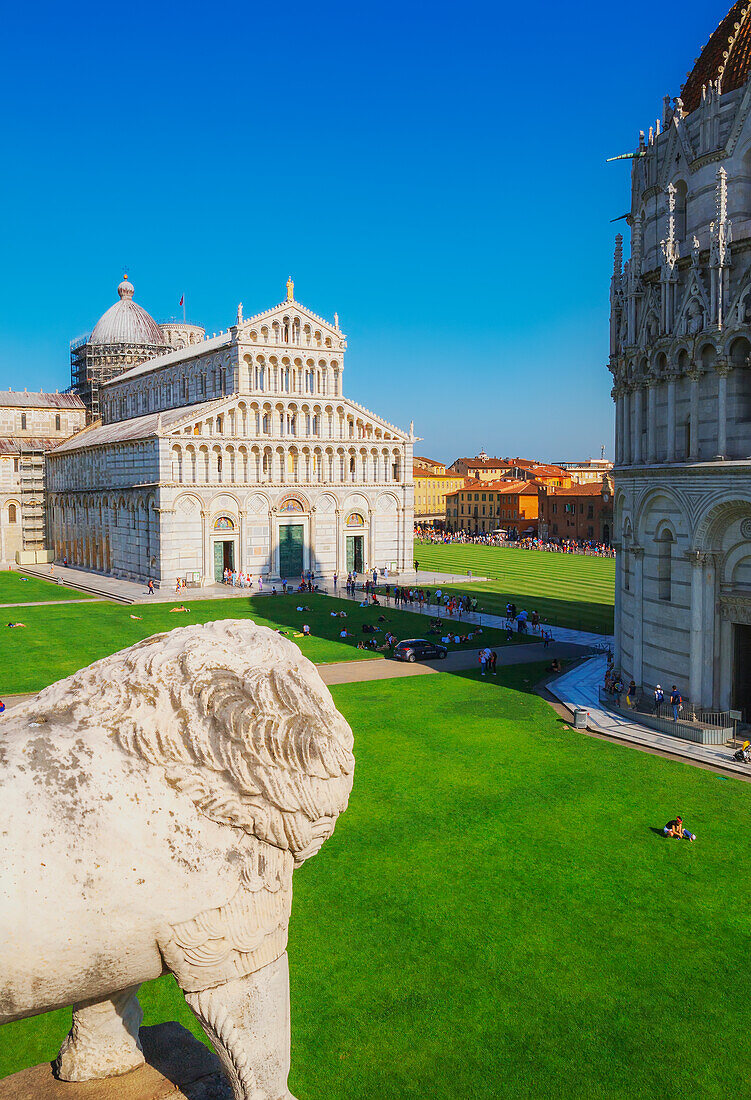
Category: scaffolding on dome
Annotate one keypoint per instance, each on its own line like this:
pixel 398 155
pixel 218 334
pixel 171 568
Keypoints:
pixel 91 365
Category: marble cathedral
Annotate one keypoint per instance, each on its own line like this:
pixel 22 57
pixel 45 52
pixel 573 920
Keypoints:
pixel 680 355
pixel 234 451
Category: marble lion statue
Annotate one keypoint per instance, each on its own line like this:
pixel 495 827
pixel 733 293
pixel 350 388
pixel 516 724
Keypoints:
pixel 154 807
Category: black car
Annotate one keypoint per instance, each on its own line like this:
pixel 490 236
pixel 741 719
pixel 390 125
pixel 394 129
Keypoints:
pixel 418 649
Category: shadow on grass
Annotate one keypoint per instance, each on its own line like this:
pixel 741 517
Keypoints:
pixel 282 609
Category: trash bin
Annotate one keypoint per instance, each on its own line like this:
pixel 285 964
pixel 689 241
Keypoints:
pixel 580 718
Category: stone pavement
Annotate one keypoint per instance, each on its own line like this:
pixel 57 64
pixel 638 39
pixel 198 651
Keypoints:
pixel 350 672
pixel 580 688
pixel 379 668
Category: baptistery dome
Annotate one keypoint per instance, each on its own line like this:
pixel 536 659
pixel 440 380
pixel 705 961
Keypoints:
pixel 726 57
pixel 126 322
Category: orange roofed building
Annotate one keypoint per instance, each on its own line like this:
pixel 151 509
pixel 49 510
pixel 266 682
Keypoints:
pixel 582 512
pixel 479 507
pixel 484 468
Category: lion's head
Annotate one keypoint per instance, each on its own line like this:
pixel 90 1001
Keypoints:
pixel 237 719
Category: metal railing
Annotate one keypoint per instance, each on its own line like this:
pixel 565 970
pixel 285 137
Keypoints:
pixel 694 723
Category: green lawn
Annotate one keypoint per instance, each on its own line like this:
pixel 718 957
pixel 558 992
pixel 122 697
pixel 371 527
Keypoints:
pixel 17 589
pixel 498 915
pixel 58 640
pixel 567 589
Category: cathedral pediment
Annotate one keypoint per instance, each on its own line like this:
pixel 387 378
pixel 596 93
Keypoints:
pixel 290 322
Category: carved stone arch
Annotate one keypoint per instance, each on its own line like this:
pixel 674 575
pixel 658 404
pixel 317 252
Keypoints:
pixel 715 520
pixel 225 501
pixel 738 348
pixel 188 503
pixel 645 500
pixel 257 504
pixel 707 352
pixel 356 502
pixel 387 503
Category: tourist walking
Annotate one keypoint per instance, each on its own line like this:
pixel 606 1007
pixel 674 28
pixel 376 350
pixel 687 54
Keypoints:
pixel 151 587
pixel 659 696
pixel 676 702
pixel 493 661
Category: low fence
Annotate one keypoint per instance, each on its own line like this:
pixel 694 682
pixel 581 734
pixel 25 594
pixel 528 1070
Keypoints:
pixel 694 724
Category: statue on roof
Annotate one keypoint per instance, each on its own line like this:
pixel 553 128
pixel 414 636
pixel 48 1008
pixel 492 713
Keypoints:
pixel 290 290
pixel 239 313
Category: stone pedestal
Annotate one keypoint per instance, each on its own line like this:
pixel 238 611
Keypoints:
pixel 178 1067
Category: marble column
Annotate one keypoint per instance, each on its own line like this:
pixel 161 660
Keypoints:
pixel 693 452
pixel 651 421
pixel 637 457
pixel 637 557
pixel 671 419
pixel 618 603
pixel 696 561
pixel 208 566
pixel 242 550
pixel 312 563
pixel 626 433
pixel 722 369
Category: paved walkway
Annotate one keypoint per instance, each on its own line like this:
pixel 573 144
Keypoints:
pixel 379 668
pixel 580 688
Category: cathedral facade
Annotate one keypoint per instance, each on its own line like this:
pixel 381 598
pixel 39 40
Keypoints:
pixel 238 451
pixel 680 356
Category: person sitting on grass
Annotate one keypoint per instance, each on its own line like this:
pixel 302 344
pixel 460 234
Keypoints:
pixel 675 828
pixel 555 665
pixel 305 630
pixel 344 633
pixel 177 610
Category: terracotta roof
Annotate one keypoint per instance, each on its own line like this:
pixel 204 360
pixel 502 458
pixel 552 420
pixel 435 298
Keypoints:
pixel 484 463
pixel 727 55
pixel 12 445
pixel 588 489
pixel 138 427
pixel 14 399
pixel 510 486
pixel 423 461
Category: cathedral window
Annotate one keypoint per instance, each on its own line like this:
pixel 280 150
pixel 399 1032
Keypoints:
pixel 23 422
pixel 57 422
pixel 12 514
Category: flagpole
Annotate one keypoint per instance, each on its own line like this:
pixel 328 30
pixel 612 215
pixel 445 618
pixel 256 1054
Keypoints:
pixel 183 309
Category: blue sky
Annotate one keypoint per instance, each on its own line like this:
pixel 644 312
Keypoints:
pixel 436 174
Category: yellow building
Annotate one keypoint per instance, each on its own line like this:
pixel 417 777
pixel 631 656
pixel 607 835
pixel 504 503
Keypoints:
pixel 431 488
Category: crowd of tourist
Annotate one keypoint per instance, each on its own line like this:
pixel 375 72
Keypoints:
pixel 529 542
pixel 431 535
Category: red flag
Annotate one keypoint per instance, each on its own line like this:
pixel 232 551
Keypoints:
pixel 182 300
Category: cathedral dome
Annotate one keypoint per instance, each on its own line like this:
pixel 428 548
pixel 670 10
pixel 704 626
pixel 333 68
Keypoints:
pixel 727 56
pixel 126 322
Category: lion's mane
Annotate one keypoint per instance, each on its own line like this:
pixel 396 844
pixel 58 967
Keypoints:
pixel 235 716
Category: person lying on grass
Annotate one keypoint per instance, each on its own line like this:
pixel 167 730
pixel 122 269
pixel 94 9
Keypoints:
pixel 344 633
pixel 13 626
pixel 675 828
pixel 177 610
